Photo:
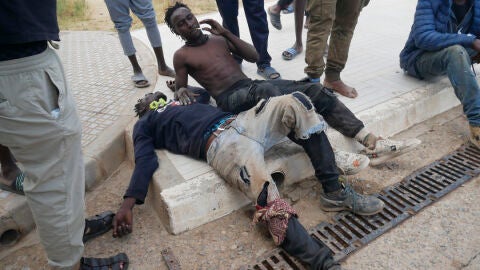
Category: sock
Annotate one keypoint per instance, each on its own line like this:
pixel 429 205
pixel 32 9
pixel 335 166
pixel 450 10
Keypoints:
pixel 366 138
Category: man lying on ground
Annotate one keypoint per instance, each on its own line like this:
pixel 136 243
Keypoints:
pixel 208 59
pixel 234 145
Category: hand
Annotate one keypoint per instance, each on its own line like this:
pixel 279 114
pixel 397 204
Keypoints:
pixel 215 27
pixel 185 96
pixel 123 221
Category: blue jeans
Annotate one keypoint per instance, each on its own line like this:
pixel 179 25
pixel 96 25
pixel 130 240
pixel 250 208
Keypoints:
pixel 257 24
pixel 455 62
pixel 120 14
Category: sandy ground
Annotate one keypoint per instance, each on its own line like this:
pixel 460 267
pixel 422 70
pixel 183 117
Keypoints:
pixel 231 242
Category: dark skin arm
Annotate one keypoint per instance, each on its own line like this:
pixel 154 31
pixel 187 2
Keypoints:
pixel 123 221
pixel 235 44
pixel 182 93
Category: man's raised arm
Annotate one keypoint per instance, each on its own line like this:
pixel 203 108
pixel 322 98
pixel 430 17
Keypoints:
pixel 235 44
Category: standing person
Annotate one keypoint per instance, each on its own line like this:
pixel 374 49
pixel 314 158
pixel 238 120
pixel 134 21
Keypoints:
pixel 32 86
pixel 337 19
pixel 120 14
pixel 258 26
pixel 444 38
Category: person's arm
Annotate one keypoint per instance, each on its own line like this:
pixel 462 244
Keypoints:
pixel 235 44
pixel 146 162
pixel 182 93
pixel 428 38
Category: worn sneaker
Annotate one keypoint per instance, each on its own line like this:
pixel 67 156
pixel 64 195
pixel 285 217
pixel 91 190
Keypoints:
pixel 350 163
pixel 348 199
pixel 475 136
pixel 386 149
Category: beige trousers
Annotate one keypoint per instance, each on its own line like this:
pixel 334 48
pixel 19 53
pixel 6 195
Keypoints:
pixel 49 147
pixel 238 153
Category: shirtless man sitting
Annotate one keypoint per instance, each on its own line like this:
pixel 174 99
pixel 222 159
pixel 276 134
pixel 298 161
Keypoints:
pixel 208 59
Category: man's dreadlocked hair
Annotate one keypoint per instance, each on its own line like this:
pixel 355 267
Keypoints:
pixel 143 106
pixel 168 14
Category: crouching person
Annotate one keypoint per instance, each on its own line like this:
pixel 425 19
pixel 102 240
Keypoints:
pixel 235 146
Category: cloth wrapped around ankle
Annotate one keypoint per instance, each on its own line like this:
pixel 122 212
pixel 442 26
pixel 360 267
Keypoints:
pixel 276 215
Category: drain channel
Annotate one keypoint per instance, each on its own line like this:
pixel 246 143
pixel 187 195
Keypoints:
pixel 350 232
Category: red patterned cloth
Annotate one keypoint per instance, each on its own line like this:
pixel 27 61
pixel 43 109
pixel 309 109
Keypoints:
pixel 276 214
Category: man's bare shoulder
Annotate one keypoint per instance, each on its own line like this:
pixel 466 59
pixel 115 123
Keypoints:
pixel 180 53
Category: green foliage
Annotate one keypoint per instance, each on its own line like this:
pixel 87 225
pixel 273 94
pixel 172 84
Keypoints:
pixel 71 9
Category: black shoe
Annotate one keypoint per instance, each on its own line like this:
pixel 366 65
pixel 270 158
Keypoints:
pixel 348 199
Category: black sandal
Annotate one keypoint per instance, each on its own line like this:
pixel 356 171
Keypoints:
pixel 117 262
pixel 98 225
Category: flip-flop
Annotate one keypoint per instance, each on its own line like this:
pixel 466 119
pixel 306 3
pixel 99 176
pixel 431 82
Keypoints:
pixel 16 186
pixel 98 225
pixel 114 263
pixel 140 81
pixel 290 53
pixel 275 19
pixel 269 73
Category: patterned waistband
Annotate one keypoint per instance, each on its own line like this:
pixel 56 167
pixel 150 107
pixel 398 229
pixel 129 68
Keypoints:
pixel 217 125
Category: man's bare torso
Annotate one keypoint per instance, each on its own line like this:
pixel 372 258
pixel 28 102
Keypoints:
pixel 211 65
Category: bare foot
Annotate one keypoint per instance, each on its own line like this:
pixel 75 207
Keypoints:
pixel 167 72
pixel 341 88
pixel 171 85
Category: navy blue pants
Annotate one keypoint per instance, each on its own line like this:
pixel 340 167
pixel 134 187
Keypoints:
pixel 257 24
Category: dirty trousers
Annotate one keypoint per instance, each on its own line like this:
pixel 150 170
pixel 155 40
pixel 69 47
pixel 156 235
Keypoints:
pixel 48 147
pixel 237 154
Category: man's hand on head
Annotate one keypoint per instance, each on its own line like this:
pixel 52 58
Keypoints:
pixel 123 221
pixel 185 96
pixel 215 27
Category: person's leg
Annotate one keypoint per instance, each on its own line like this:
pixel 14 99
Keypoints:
pixel 258 27
pixel 143 9
pixel 346 18
pixel 240 161
pixel 321 16
pixel 455 62
pixel 120 15
pixel 49 148
pixel 229 11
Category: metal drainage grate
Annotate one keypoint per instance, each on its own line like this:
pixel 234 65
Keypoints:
pixel 350 232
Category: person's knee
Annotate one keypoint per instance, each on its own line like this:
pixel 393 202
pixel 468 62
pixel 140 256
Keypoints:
pixel 123 27
pixel 149 20
pixel 457 54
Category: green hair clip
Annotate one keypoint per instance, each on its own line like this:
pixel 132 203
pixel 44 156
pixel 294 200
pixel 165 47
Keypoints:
pixel 154 105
